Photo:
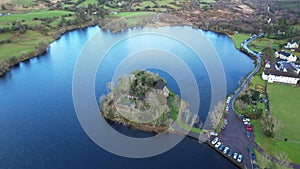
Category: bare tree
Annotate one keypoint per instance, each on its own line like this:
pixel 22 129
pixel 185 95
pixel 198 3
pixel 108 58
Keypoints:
pixel 264 162
pixel 216 114
pixel 241 104
pixel 193 120
pixel 283 158
pixel 271 126
pixel 187 115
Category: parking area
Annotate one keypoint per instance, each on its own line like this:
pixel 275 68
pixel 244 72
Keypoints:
pixel 226 150
pixel 237 136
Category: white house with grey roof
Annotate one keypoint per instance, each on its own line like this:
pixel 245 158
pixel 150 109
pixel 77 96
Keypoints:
pixel 282 72
pixel 283 55
pixel 292 45
pixel 281 77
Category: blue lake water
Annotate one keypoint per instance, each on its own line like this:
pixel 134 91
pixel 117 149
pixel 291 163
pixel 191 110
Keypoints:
pixel 39 126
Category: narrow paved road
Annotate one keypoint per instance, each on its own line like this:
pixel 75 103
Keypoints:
pixel 234 135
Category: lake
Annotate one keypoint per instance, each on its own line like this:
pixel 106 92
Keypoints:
pixel 39 126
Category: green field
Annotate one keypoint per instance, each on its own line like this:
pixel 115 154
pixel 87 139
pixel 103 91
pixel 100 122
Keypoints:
pixel 260 43
pixel 133 14
pixel 30 16
pixel 23 2
pixel 284 105
pixel 86 2
pixel 25 42
pixel 5 36
pixel 238 38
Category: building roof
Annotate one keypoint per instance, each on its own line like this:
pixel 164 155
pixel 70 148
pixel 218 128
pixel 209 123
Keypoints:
pixel 159 85
pixel 284 53
pixel 290 66
pixel 292 42
pixel 280 73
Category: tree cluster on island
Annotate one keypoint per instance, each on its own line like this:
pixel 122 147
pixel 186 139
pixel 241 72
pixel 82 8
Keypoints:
pixel 140 100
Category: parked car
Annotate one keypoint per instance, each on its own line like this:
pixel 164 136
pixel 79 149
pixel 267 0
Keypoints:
pixel 248 134
pixel 246 123
pixel 225 150
pixel 213 134
pixel 228 100
pixel 239 158
pixel 218 144
pixel 215 140
pixel 225 121
pixel 246 119
pixel 235 155
pixel 229 153
pixel 249 127
pixel 221 147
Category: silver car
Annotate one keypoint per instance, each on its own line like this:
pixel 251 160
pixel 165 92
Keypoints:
pixel 240 158
pixel 225 150
pixel 235 155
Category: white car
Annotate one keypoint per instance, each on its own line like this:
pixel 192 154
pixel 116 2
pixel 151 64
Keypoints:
pixel 246 120
pixel 225 150
pixel 225 121
pixel 213 134
pixel 240 158
pixel 235 155
pixel 247 123
pixel 215 140
pixel 218 144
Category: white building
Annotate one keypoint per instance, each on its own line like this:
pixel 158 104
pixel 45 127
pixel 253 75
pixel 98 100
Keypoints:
pixel 281 77
pixel 286 56
pixel 292 45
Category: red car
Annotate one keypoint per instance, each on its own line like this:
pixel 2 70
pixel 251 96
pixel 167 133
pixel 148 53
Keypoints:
pixel 249 127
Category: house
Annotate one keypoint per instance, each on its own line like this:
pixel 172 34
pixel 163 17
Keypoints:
pixel 285 56
pixel 281 77
pixel 292 45
pixel 160 85
pixel 282 72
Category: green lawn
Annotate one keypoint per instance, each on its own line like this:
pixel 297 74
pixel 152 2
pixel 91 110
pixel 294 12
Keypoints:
pixel 257 80
pixel 238 38
pixel 284 104
pixel 260 43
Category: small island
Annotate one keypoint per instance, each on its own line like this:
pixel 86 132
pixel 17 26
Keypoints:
pixel 143 101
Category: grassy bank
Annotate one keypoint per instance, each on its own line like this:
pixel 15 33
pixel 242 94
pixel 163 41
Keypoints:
pixel 238 38
pixel 265 162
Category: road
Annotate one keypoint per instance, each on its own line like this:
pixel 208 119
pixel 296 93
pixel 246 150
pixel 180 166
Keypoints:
pixel 234 135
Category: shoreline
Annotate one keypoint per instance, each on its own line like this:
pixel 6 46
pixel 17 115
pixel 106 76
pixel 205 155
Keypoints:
pixel 100 24
pixel 61 31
